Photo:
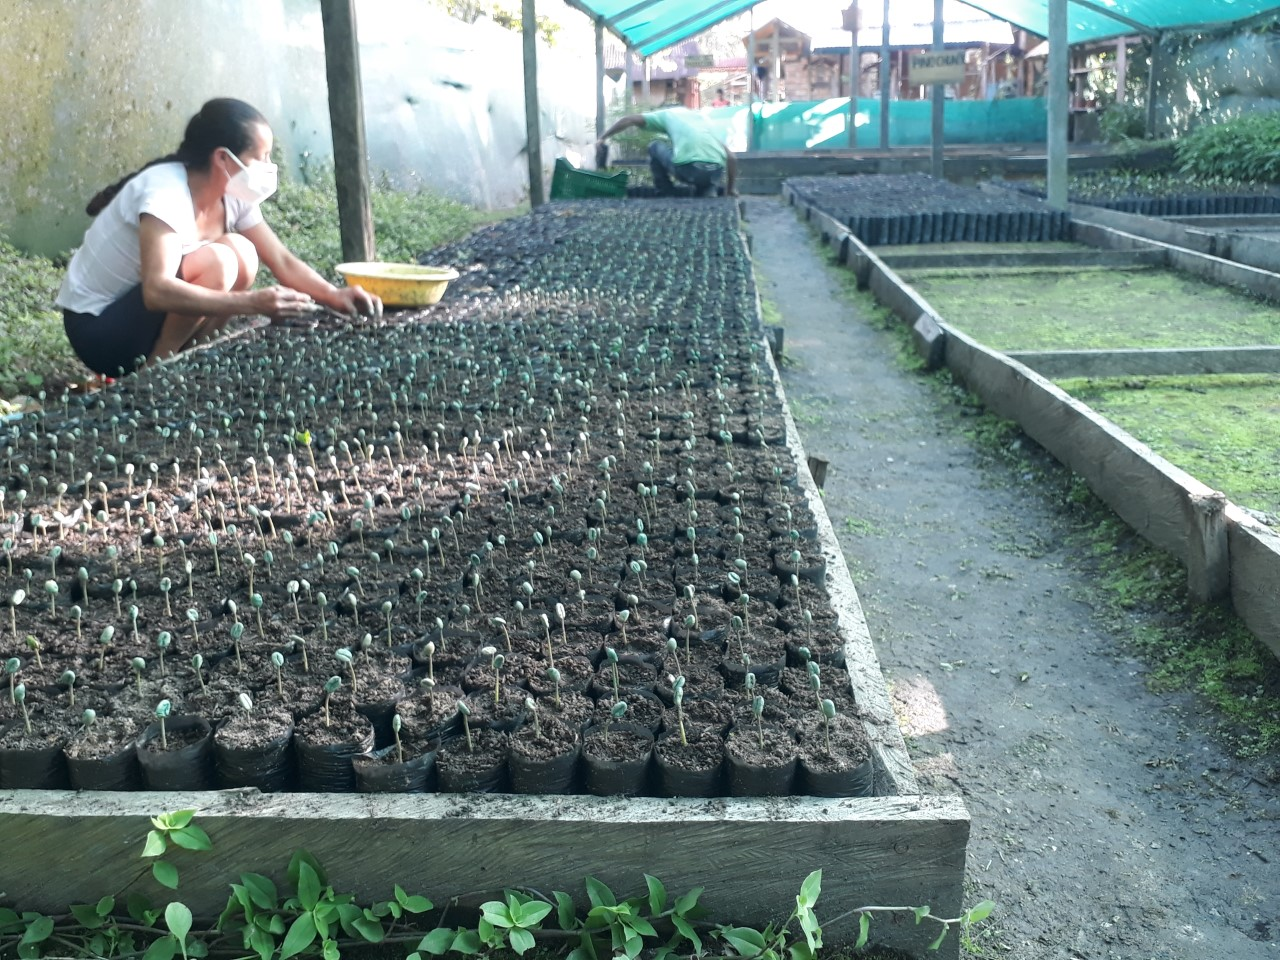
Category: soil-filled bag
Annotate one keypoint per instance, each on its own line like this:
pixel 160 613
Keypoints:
pixel 105 757
pixel 33 767
pixel 691 768
pixel 255 750
pixel 755 771
pixel 381 771
pixel 544 761
pixel 186 764
pixel 480 767
pixel 835 761
pixel 325 751
pixel 616 764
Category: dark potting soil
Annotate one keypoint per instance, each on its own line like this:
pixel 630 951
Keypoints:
pixel 701 750
pixel 553 738
pixel 405 492
pixel 849 747
pixel 174 740
pixel 103 739
pixel 779 747
pixel 243 730
pixel 619 746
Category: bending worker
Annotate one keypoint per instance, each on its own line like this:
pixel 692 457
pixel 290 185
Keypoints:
pixel 176 245
pixel 692 152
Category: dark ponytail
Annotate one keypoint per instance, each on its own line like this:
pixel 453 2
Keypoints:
pixel 223 122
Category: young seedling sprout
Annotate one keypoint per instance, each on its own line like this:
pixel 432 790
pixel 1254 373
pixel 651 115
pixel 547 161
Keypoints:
pixel 104 640
pixel 815 683
pixel 51 588
pixel 163 640
pixel 193 615
pixel 690 621
pixel 616 712
pixel 560 613
pixel 11 668
pixel 546 633
pixel 330 688
pixel 828 714
pixel 465 712
pixel 246 704
pixel 386 614
pixel 677 696
pixel 396 723
pixel 87 720
pixel 20 698
pixel 14 601
pixel 197 664
pixel 139 668
pixel 498 661
pixel 68 680
pixel 673 648
pixel 506 636
pixel 343 656
pixel 554 676
pixel 237 631
pixel 277 661
pixel 531 705
pixel 757 711
pixel 162 712
pixel 612 656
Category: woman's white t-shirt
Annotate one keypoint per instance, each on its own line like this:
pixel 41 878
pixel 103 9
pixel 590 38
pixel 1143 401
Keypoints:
pixel 109 261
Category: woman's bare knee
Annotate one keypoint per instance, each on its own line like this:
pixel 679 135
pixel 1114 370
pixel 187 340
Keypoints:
pixel 246 255
pixel 214 266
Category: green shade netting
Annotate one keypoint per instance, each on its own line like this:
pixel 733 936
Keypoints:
pixel 1088 21
pixel 652 25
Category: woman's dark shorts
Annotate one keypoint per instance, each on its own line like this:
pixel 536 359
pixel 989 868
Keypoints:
pixel 117 341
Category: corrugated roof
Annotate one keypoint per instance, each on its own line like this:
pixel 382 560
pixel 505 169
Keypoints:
pixel 652 25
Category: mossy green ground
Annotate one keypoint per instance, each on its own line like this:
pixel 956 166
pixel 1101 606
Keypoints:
pixel 1224 431
pixel 1083 308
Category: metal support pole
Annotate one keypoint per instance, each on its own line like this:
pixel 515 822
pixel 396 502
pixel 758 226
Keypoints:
pixel 644 84
pixel 532 117
pixel 1122 68
pixel 1056 89
pixel 937 153
pixel 775 54
pixel 629 64
pixel 751 81
pixel 600 124
pixel 886 78
pixel 855 60
pixel 1153 83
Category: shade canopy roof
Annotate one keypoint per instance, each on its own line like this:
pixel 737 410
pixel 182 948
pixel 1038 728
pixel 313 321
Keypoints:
pixel 648 26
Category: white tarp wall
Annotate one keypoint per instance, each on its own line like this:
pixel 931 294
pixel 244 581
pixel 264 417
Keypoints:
pixel 92 91
pixel 1218 77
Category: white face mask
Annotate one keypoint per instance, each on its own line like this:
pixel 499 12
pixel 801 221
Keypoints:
pixel 253 183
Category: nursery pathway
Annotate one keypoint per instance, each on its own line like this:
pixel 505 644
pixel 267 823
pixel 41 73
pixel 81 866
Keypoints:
pixel 1106 824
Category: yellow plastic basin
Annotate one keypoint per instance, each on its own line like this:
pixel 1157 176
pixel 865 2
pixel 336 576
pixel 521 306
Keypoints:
pixel 399 284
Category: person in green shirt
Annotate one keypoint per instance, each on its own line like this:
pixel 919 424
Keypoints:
pixel 692 152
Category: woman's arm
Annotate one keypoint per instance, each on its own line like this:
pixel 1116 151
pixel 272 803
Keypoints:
pixel 293 272
pixel 160 249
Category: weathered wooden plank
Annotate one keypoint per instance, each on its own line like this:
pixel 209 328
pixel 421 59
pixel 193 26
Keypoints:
pixel 1149 493
pixel 1254 551
pixel 346 119
pixel 1189 361
pixel 1023 258
pixel 894 771
pixel 751 855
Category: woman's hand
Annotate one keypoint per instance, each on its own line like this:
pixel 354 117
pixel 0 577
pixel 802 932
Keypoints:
pixel 355 301
pixel 281 303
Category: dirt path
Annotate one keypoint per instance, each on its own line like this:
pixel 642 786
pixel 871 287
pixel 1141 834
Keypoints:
pixel 1106 823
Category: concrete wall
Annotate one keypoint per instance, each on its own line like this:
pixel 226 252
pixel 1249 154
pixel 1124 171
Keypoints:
pixel 92 91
